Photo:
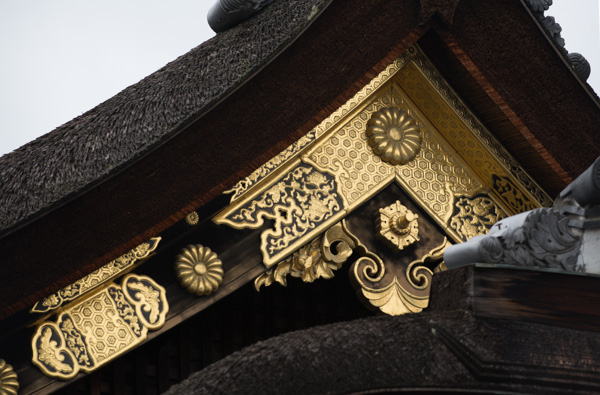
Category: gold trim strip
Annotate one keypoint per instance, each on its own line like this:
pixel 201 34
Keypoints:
pixel 106 273
pixel 338 116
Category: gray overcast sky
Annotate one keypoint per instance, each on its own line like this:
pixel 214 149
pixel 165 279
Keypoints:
pixel 61 58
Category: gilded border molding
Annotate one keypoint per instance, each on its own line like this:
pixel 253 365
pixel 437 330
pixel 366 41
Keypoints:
pixel 243 186
pixel 106 273
pixel 479 131
pixel 95 331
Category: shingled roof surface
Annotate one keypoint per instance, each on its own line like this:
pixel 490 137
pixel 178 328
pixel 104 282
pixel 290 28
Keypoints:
pixel 107 138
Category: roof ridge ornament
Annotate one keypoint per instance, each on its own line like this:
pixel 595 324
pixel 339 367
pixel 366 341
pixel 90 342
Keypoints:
pixel 444 8
pixel 225 14
pixel 578 62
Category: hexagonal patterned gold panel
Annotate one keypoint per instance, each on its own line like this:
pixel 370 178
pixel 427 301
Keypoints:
pixel 96 330
pixel 457 157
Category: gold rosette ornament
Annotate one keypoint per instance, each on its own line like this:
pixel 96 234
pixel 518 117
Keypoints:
pixel 394 135
pixel 199 270
pixel 8 379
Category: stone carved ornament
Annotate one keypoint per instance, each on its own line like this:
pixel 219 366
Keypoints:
pixel 565 236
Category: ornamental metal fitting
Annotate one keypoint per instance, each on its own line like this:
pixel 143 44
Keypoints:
pixel 394 135
pixel 199 270
pixel 9 384
pixel 192 218
pixel 398 226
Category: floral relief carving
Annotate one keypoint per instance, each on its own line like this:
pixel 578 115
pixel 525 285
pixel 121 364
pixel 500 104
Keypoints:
pixel 394 135
pixel 199 270
pixel 8 379
pixel 299 203
pixel 474 216
pixel 318 259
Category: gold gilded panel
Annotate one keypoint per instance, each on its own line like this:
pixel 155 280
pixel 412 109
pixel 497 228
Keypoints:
pixel 448 123
pixel 260 175
pixel 457 158
pixel 97 330
pixel 302 203
pixel 106 273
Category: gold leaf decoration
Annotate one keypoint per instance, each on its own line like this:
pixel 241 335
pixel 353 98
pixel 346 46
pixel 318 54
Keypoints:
pixel 398 226
pixel 108 272
pixel 192 218
pixel 199 270
pixel 474 215
pixel 8 379
pixel 394 135
pixel 318 259
pixel 94 331
pixel 394 299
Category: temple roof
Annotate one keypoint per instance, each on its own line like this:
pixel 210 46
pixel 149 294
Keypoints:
pixel 107 138
pixel 127 170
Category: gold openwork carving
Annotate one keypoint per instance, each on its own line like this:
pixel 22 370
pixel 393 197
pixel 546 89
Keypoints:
pixel 448 153
pixel 398 226
pixel 318 259
pixel 91 333
pixel 106 273
pixel 199 270
pixel 9 384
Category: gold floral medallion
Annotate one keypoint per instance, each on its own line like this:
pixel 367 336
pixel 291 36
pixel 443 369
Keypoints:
pixel 8 379
pixel 192 218
pixel 394 135
pixel 199 270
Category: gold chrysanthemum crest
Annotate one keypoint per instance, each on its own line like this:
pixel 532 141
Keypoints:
pixel 192 218
pixel 199 270
pixel 394 135
pixel 8 379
